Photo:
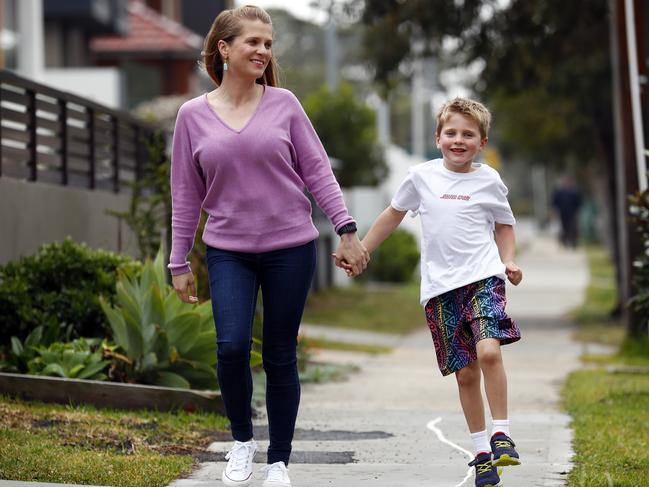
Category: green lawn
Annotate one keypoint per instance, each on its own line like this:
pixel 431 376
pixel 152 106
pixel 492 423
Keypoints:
pixel 611 424
pixel 391 309
pixel 321 343
pixel 594 320
pixel 608 400
pixel 65 444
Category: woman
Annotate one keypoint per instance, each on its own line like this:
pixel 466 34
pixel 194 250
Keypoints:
pixel 245 153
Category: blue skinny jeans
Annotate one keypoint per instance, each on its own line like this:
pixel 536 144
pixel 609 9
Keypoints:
pixel 284 277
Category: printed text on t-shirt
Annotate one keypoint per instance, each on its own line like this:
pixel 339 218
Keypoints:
pixel 446 196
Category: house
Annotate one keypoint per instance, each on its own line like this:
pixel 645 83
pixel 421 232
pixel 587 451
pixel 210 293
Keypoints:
pixel 157 56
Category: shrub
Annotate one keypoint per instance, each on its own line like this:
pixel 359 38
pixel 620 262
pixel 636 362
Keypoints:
pixel 40 355
pixel 58 287
pixel 79 359
pixel 395 260
pixel 17 358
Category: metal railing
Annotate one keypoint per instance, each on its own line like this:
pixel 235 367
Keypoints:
pixel 51 136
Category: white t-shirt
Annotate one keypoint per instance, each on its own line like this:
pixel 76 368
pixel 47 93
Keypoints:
pixel 458 212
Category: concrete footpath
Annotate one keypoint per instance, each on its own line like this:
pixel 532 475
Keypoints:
pixel 397 422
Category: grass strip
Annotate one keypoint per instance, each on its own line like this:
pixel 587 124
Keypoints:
pixel 323 343
pixel 595 318
pixel 611 422
pixel 388 309
pixel 81 444
pixel 609 402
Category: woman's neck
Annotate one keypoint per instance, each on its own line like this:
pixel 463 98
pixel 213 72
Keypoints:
pixel 237 92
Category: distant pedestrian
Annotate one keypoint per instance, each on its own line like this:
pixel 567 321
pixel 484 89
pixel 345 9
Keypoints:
pixel 245 153
pixel 462 203
pixel 566 202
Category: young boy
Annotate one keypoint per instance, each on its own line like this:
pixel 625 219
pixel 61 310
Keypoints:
pixel 462 205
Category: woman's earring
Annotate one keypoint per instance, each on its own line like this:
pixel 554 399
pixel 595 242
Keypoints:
pixel 225 66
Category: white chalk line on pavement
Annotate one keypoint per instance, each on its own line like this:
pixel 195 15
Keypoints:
pixel 432 425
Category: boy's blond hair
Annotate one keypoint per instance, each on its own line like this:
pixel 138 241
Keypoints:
pixel 467 107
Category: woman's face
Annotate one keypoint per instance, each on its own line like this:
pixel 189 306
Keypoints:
pixel 250 52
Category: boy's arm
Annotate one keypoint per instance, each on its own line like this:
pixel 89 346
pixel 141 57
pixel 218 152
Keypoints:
pixel 506 242
pixel 382 227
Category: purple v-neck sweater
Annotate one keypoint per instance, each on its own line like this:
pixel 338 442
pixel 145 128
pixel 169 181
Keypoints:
pixel 251 181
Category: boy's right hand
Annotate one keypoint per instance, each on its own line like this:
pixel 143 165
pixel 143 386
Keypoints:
pixel 514 273
pixel 185 287
pixel 346 266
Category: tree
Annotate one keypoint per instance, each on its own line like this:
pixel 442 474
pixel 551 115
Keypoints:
pixel 347 129
pixel 547 78
pixel 546 64
pixel 398 31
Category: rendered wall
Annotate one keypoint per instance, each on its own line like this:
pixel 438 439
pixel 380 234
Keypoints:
pixel 32 214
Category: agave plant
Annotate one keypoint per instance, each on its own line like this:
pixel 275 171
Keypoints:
pixel 79 359
pixel 164 341
pixel 21 353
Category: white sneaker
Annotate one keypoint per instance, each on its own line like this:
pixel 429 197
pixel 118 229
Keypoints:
pixel 238 472
pixel 276 475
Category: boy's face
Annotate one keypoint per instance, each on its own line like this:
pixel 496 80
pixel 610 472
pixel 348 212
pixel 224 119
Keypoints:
pixel 460 141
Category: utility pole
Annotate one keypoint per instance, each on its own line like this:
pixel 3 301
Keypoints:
pixel 331 50
pixel 634 84
pixel 417 114
pixel 30 28
pixel 628 177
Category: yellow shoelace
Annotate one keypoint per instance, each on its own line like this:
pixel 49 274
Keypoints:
pixel 484 467
pixel 503 444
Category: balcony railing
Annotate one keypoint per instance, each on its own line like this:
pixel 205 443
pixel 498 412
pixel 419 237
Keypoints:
pixel 51 136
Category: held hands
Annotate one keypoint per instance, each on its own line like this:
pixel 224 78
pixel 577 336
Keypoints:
pixel 345 266
pixel 514 273
pixel 185 287
pixel 351 255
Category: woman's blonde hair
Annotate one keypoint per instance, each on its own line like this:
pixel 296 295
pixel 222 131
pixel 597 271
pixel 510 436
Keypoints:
pixel 469 108
pixel 226 27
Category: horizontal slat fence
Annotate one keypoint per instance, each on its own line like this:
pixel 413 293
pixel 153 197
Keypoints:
pixel 55 137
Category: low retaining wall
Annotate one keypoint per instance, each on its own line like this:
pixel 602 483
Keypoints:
pixel 114 395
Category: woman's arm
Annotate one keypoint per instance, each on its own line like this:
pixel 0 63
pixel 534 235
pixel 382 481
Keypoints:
pixel 314 168
pixel 187 193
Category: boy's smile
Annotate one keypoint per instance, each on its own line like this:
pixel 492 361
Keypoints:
pixel 460 142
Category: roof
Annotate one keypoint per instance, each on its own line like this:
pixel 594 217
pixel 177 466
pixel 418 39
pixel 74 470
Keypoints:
pixel 149 33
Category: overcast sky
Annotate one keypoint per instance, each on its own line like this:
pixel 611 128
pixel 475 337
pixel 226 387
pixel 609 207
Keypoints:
pixel 299 8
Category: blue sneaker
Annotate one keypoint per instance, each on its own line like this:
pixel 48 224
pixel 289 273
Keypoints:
pixel 486 475
pixel 502 447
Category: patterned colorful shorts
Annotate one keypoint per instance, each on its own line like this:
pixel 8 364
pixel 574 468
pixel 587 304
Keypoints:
pixel 458 319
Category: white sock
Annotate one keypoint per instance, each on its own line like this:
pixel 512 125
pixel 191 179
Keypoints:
pixel 500 426
pixel 480 442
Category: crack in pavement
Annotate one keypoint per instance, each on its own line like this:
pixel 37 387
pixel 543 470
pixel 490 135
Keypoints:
pixel 432 425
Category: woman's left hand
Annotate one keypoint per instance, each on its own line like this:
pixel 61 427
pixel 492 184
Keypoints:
pixel 351 251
